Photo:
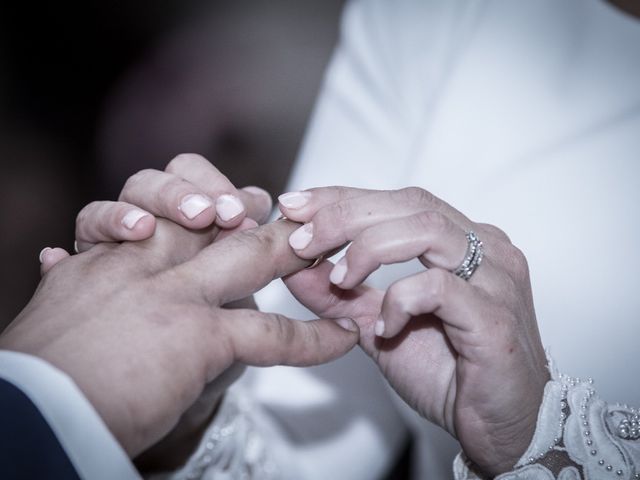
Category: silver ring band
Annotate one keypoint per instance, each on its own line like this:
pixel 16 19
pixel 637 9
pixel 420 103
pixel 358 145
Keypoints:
pixel 472 258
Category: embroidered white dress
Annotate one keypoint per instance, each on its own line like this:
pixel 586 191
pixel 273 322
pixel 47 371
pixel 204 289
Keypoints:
pixel 521 114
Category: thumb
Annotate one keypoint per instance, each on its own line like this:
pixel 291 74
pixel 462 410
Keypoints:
pixel 267 339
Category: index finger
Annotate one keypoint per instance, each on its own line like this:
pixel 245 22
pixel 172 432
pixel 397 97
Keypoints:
pixel 243 263
pixel 336 215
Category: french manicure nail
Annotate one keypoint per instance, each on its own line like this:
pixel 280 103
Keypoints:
pixel 132 217
pixel 42 252
pixel 301 237
pixel 294 199
pixel 379 329
pixel 228 207
pixel 339 271
pixel 347 324
pixel 193 205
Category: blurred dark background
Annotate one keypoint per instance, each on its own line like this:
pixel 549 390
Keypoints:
pixel 92 91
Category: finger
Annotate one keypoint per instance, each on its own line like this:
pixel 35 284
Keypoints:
pixel 168 196
pixel 266 339
pixel 334 224
pixel 49 257
pixel 247 224
pixel 429 236
pixel 241 264
pixel 112 222
pixel 461 307
pixel 198 171
pixel 258 203
pixel 362 303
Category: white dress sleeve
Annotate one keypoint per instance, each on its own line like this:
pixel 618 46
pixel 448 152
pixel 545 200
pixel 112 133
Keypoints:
pixel 578 436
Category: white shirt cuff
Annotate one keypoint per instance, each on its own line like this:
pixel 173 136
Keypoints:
pixel 90 446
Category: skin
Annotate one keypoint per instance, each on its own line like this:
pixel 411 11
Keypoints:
pixel 141 328
pixel 466 355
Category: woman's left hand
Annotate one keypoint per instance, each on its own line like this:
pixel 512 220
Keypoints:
pixel 466 355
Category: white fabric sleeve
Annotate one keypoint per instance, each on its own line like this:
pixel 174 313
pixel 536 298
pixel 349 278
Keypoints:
pixel 578 437
pixel 90 446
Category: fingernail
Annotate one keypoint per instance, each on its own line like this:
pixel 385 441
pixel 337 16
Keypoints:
pixel 294 199
pixel 42 252
pixel 228 207
pixel 347 324
pixel 379 327
pixel 193 205
pixel 75 246
pixel 339 271
pixel 301 237
pixel 132 217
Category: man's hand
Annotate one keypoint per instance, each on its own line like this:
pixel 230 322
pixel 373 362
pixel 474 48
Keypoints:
pixel 140 327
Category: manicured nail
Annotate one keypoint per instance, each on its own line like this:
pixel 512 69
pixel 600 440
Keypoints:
pixel 42 252
pixel 294 199
pixel 132 217
pixel 339 271
pixel 301 237
pixel 347 324
pixel 379 327
pixel 228 207
pixel 193 205
pixel 75 246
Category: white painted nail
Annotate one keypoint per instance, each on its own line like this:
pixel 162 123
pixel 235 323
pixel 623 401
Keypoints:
pixel 228 207
pixel 193 205
pixel 132 217
pixel 339 271
pixel 301 237
pixel 347 324
pixel 379 327
pixel 42 252
pixel 294 199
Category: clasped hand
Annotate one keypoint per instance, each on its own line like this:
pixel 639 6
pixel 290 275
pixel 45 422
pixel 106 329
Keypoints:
pixel 465 354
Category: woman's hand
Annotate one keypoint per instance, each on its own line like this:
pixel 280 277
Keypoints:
pixel 466 355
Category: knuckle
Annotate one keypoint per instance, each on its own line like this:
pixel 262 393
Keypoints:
pixel 284 328
pixel 337 213
pixel 134 182
pixel 494 231
pixel 415 195
pixel 517 263
pixel 84 218
pixel 395 298
pixel 432 221
pixel 438 284
pixel 183 162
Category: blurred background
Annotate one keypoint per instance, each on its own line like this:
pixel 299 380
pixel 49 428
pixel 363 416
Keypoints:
pixel 91 92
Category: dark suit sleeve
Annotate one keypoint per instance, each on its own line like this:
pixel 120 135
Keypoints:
pixel 28 447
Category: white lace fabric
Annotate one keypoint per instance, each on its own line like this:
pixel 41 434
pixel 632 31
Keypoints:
pixel 578 437
pixel 235 446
